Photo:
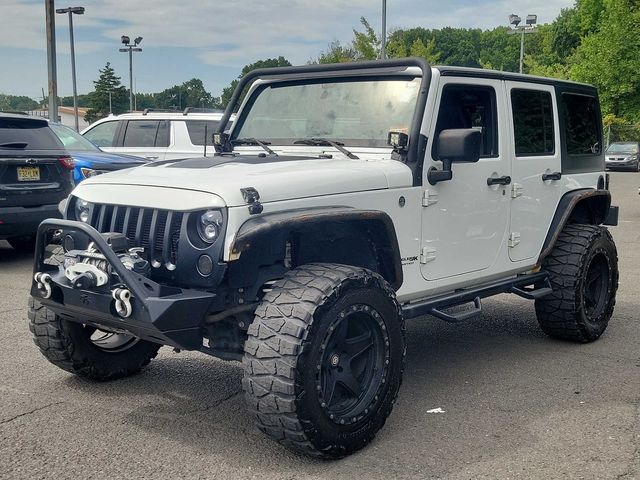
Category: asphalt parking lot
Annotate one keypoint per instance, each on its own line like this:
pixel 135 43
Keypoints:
pixel 516 404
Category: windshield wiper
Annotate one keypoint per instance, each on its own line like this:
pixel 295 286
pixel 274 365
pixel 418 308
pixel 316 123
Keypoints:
pixel 254 141
pixel 324 141
pixel 14 145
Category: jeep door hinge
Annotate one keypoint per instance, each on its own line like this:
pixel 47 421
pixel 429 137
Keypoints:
pixel 429 197
pixel 427 254
pixel 516 190
pixel 514 239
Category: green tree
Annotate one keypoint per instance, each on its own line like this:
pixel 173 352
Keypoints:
pixel 99 98
pixel 608 58
pixel 190 94
pixel 336 54
pixel 227 92
pixel 17 103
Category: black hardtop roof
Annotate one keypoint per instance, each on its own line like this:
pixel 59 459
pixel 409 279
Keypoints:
pixel 516 77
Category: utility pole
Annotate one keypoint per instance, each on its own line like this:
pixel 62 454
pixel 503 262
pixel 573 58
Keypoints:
pixel 71 11
pixel 383 53
pixel 51 60
pixel 110 109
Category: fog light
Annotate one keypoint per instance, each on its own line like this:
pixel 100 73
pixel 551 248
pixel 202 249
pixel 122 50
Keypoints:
pixel 205 265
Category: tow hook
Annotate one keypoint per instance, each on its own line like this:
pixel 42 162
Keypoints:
pixel 122 298
pixel 43 282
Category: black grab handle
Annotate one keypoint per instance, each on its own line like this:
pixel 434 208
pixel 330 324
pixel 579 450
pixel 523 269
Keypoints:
pixel 506 180
pixel 551 176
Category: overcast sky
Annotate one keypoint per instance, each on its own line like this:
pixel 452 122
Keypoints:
pixel 212 40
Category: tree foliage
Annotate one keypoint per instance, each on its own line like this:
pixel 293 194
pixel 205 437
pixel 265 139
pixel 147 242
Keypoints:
pixel 17 103
pixel 227 92
pixel 99 98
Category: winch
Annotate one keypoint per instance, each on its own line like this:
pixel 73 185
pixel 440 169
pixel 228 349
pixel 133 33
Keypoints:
pixel 89 268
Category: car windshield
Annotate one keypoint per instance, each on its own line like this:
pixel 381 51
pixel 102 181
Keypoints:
pixel 352 112
pixel 623 148
pixel 72 140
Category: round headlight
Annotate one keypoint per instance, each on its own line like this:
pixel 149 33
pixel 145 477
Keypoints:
pixel 209 225
pixel 83 210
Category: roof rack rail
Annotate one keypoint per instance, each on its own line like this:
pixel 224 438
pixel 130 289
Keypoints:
pixel 189 110
pixel 161 110
pixel 14 112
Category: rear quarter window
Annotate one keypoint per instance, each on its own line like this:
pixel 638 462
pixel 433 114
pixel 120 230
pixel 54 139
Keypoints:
pixel 35 133
pixel 581 132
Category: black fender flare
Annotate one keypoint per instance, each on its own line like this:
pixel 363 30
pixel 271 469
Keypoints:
pixel 593 203
pixel 271 225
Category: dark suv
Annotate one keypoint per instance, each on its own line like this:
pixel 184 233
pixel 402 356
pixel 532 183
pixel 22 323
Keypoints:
pixel 36 173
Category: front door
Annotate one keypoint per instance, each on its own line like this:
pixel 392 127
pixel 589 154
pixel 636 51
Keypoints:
pixel 465 220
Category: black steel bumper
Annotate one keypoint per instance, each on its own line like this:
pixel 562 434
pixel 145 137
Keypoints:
pixel 161 314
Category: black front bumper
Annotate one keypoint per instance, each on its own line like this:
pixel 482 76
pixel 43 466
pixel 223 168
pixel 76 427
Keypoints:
pixel 161 314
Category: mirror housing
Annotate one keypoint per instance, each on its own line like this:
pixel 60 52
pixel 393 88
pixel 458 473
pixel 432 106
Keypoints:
pixel 455 146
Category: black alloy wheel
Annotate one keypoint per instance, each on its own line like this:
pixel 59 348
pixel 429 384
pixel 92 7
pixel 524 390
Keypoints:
pixel 355 354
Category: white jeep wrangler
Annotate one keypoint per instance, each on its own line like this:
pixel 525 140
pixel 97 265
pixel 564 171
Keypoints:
pixel 346 199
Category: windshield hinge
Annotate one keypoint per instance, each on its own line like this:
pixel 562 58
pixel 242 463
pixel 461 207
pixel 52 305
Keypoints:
pixel 514 239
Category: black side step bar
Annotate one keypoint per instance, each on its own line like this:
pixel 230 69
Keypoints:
pixel 531 286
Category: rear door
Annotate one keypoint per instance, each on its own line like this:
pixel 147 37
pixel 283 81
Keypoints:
pixel 144 138
pixel 535 166
pixel 31 170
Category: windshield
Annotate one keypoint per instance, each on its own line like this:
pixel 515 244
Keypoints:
pixel 355 113
pixel 623 148
pixel 72 140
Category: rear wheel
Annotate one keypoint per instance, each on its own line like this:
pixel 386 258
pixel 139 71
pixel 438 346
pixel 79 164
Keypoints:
pixel 23 244
pixel 583 269
pixel 86 350
pixel 324 359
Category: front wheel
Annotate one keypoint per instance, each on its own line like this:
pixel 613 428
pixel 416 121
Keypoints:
pixel 583 269
pixel 85 350
pixel 324 359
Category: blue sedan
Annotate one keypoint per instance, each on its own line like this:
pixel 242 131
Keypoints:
pixel 89 159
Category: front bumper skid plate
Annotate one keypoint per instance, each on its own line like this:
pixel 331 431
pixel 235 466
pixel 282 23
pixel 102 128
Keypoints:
pixel 161 314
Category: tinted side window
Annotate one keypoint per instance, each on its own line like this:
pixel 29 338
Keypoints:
pixel 35 133
pixel 141 133
pixel 196 130
pixel 580 113
pixel 103 134
pixel 465 106
pixel 532 122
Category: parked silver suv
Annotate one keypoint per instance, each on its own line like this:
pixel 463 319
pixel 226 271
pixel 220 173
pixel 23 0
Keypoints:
pixel 156 135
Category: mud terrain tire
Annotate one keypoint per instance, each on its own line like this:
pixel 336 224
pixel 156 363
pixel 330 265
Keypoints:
pixel 324 359
pixel 583 269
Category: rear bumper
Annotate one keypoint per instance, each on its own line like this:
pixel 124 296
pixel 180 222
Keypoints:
pixel 160 314
pixel 22 221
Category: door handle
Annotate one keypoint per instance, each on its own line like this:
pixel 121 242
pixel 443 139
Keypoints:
pixel 551 176
pixel 506 180
pixel 152 158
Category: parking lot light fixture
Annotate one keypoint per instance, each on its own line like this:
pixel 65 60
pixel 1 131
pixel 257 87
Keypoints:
pixel 71 11
pixel 528 27
pixel 126 41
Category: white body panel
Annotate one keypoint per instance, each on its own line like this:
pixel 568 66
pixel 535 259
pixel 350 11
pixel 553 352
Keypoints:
pixel 468 227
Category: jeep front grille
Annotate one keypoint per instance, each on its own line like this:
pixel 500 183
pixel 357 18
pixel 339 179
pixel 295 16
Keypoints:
pixel 157 231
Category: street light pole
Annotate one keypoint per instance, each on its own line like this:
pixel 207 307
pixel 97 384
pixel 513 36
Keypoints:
pixel 530 27
pixel 71 11
pixel 130 48
pixel 383 53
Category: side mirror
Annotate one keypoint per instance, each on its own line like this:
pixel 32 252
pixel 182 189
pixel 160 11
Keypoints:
pixel 455 146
